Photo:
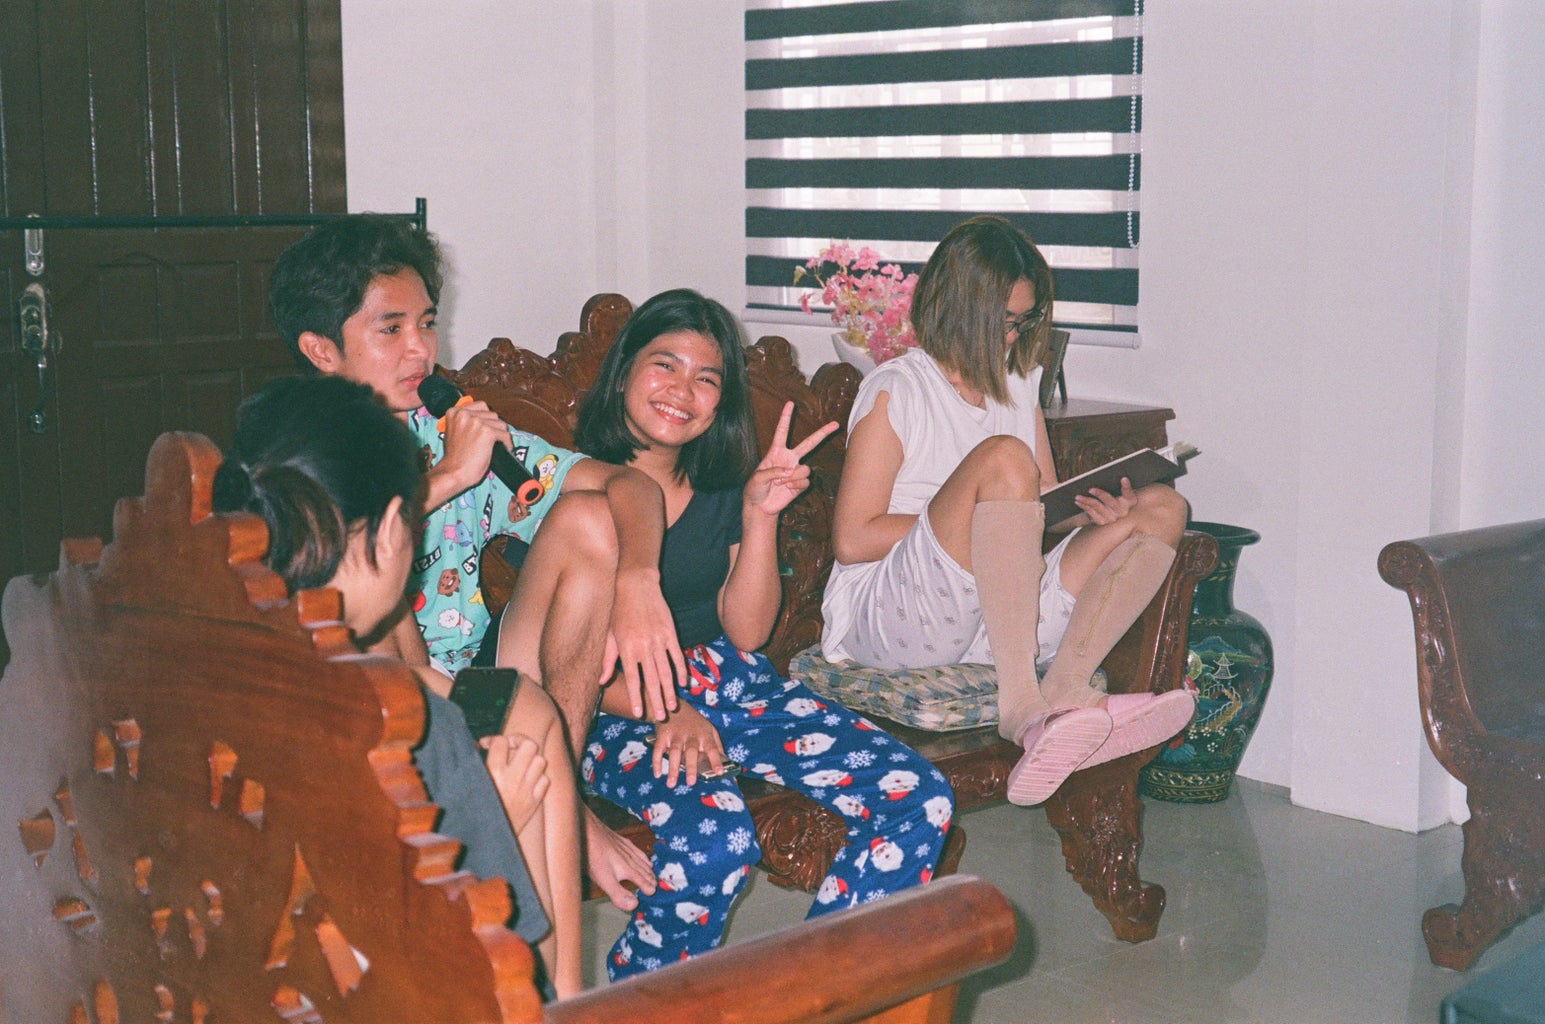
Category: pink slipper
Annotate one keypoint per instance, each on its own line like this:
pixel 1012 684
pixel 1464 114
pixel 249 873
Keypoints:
pixel 1056 744
pixel 1142 720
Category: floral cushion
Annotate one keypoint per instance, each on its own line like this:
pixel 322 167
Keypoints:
pixel 937 699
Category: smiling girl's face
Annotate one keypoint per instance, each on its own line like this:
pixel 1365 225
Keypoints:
pixel 672 389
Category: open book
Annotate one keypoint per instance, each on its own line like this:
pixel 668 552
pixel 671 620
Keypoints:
pixel 1149 466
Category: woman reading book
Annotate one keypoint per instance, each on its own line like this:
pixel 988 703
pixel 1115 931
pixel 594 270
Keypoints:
pixel 939 522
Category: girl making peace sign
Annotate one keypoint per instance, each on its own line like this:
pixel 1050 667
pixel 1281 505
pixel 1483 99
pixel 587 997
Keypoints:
pixel 672 400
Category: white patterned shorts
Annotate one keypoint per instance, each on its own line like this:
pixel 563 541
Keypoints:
pixel 918 608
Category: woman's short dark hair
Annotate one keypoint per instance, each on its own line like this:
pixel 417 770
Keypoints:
pixel 726 453
pixel 319 281
pixel 317 457
pixel 957 306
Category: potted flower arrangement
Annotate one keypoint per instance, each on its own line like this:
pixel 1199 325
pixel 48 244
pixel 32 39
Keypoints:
pixel 869 303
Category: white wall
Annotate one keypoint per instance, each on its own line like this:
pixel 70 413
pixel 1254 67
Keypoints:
pixel 1341 283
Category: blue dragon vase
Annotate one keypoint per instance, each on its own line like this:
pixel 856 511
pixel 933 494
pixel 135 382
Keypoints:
pixel 1229 665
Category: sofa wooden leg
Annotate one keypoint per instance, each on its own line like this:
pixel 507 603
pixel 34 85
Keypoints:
pixel 1504 871
pixel 799 839
pixel 1099 817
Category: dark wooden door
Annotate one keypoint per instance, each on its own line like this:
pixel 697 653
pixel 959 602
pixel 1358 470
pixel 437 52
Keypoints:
pixel 136 109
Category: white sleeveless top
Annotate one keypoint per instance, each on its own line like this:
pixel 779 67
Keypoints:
pixel 937 429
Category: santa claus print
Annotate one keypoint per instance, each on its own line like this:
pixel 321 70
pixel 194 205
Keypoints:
pixel 631 754
pixel 828 777
pixel 673 878
pixel 831 890
pixel 646 931
pixel 767 772
pixel 657 814
pixel 809 745
pixel 884 854
pixel 692 913
pixel 803 707
pixel 937 810
pixel 724 800
pixel 851 806
pixel 897 783
pixel 732 880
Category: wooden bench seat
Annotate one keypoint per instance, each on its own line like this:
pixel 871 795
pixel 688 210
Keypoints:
pixel 1097 812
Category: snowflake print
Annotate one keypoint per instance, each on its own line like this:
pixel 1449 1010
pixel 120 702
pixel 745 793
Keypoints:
pixel 739 752
pixel 645 787
pixel 679 844
pixel 898 757
pixel 706 890
pixel 651 963
pixel 830 719
pixel 924 851
pixel 881 740
pixel 708 826
pixel 739 842
pixel 682 790
pixel 859 759
pixel 697 857
pixel 818 794
pixel 614 730
pixel 875 894
pixel 806 766
pixel 732 690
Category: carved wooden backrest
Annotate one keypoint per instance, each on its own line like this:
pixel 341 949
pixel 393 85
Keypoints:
pixel 1478 601
pixel 805 547
pixel 208 810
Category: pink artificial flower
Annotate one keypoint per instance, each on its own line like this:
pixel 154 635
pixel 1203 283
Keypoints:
pixel 866 300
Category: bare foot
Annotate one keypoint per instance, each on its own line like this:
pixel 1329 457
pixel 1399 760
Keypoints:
pixel 520 775
pixel 612 860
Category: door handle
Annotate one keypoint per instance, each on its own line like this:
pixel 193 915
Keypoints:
pixel 37 341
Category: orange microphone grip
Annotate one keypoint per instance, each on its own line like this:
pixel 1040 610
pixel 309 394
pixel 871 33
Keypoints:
pixel 463 400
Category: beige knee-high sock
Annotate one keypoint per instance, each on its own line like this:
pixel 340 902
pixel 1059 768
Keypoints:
pixel 1110 602
pixel 1006 560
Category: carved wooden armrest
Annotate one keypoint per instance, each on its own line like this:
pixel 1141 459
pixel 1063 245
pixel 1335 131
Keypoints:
pixel 1475 598
pixel 844 967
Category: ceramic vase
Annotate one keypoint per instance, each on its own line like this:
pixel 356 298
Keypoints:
pixel 854 355
pixel 1229 665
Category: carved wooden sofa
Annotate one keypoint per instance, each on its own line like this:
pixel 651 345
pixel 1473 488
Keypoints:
pixel 211 815
pixel 1097 813
pixel 1478 605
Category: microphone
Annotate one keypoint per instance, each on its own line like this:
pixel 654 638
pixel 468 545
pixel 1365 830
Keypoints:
pixel 439 397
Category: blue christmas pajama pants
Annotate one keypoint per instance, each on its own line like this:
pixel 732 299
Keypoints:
pixel 896 804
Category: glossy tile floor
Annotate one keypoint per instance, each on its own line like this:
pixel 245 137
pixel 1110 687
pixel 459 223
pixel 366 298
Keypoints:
pixel 1275 914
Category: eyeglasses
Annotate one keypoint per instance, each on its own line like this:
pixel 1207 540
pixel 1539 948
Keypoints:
pixel 1024 322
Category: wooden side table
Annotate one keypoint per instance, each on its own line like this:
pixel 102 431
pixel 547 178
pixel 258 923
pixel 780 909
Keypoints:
pixel 1086 433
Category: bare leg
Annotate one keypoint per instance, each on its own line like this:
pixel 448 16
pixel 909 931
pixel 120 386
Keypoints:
pixel 549 838
pixel 555 631
pixel 556 625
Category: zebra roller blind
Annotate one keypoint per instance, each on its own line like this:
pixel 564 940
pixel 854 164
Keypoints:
pixel 885 122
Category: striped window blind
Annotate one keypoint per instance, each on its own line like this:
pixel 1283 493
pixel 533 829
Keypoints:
pixel 885 122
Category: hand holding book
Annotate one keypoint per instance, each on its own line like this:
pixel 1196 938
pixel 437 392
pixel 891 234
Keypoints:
pixel 1141 468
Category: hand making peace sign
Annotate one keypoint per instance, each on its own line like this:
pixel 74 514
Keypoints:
pixel 779 477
